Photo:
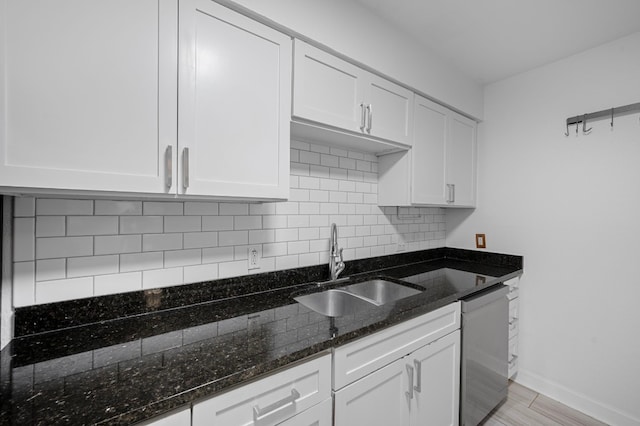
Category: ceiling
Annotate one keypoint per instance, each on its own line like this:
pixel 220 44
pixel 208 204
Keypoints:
pixel 490 40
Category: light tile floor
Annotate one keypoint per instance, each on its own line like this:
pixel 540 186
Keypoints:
pixel 525 407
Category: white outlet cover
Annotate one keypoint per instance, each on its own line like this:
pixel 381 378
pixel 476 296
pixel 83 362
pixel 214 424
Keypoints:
pixel 254 255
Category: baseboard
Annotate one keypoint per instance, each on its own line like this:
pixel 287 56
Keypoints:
pixel 577 401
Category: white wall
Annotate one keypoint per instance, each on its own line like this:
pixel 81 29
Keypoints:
pixel 570 205
pixel 352 30
pixel 70 248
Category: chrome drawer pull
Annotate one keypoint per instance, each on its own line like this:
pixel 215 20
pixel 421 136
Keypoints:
pixel 409 393
pixel 185 168
pixel 370 117
pixel 418 386
pixel 362 117
pixel 261 412
pixel 168 166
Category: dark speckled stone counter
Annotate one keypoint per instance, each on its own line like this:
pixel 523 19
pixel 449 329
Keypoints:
pixel 126 358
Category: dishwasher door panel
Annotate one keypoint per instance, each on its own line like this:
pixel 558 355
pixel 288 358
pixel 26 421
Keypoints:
pixel 484 364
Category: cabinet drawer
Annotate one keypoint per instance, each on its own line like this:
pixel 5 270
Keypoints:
pixel 357 359
pixel 514 285
pixel 513 327
pixel 271 400
pixel 513 356
pixel 318 415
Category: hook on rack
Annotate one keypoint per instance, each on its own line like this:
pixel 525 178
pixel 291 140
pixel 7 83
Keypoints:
pixel 584 125
pixel 567 132
pixel 612 117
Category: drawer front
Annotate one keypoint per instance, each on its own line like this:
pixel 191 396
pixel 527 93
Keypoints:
pixel 513 356
pixel 514 285
pixel 357 359
pixel 318 415
pixel 269 401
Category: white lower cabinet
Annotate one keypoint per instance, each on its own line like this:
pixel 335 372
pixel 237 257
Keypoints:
pixel 514 319
pixel 421 388
pixel 408 374
pixel 274 400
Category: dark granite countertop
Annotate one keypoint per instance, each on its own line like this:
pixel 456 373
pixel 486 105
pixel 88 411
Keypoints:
pixel 126 358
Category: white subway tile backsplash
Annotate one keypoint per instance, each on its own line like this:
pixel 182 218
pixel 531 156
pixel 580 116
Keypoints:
pixel 116 244
pixel 233 238
pixel 51 269
pixel 24 207
pixel 60 207
pixel 141 224
pixel 50 226
pixel 96 247
pixel 92 265
pixel 117 283
pixel 200 239
pixel 162 208
pixel 232 269
pixel 56 247
pixel 24 242
pixel 24 283
pixel 118 208
pixel 141 261
pixel 200 208
pixel 182 224
pixel 217 223
pixel 156 278
pixel 159 242
pixel 92 225
pixel 67 289
pixel 197 273
pixel 182 258
pixel 234 209
pixel 247 222
pixel 217 254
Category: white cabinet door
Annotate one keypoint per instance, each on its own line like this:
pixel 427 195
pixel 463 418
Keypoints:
pixel 428 153
pixel 440 168
pixel 89 94
pixel 234 104
pixel 335 93
pixel 461 160
pixel 318 415
pixel 389 109
pixel 326 89
pixel 379 399
pixel 437 391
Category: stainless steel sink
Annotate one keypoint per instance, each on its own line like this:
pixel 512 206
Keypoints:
pixel 354 297
pixel 333 303
pixel 381 291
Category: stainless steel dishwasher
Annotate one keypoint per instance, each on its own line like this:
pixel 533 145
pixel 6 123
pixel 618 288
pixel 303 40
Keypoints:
pixel 484 357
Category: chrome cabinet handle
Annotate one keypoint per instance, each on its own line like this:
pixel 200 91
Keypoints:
pixel 168 166
pixel 449 193
pixel 370 117
pixel 409 393
pixel 363 117
pixel 185 168
pixel 453 192
pixel 418 386
pixel 261 412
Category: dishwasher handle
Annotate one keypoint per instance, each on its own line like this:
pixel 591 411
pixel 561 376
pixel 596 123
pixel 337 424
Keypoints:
pixel 484 297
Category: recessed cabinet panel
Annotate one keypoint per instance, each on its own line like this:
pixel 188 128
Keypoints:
pixel 461 160
pixel 391 110
pixel 235 105
pixel 376 400
pixel 326 89
pixel 438 367
pixel 428 153
pixel 90 94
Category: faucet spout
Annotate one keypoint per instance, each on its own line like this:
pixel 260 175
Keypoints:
pixel 336 263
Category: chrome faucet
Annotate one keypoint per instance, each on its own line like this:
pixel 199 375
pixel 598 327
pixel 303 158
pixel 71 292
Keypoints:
pixel 336 263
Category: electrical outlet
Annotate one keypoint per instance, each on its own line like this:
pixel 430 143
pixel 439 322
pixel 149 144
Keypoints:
pixel 255 254
pixel 402 246
pixel 481 241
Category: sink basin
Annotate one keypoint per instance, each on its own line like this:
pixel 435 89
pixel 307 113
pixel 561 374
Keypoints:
pixel 381 291
pixel 333 303
pixel 353 297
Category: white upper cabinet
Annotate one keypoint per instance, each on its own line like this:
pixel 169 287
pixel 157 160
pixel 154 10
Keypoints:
pixel 440 168
pixel 234 104
pixel 336 94
pixel 112 96
pixel 89 95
